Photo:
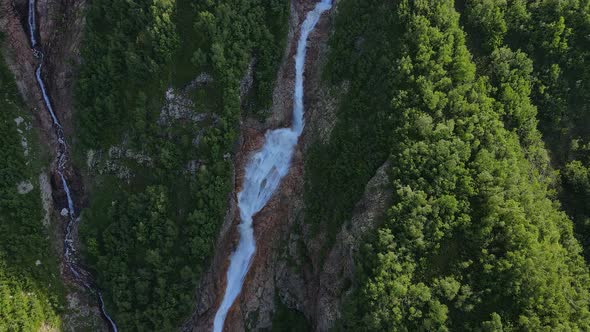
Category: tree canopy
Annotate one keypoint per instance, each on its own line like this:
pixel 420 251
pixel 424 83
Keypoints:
pixel 553 36
pixel 148 237
pixel 475 239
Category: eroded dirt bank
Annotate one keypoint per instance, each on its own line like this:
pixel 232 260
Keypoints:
pixel 60 26
pixel 288 265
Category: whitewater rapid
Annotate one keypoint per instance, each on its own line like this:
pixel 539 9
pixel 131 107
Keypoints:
pixel 80 275
pixel 264 172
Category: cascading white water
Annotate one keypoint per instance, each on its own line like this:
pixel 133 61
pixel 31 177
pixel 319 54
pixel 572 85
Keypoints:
pixel 44 91
pixel 79 274
pixel 32 20
pixel 264 172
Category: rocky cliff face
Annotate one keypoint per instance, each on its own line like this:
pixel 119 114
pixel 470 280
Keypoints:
pixel 19 58
pixel 288 265
pixel 60 27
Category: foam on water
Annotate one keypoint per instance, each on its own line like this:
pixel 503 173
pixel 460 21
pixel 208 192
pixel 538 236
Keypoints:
pixel 264 172
pixel 32 20
pixel 44 92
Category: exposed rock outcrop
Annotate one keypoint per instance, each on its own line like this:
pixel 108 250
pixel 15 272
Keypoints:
pixel 60 27
pixel 61 24
pixel 251 138
pixel 62 44
pixel 288 264
pixel 24 187
pixel 337 273
pixel 19 58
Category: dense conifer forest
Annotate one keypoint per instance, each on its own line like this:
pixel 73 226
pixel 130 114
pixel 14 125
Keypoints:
pixel 148 238
pixel 480 109
pixel 470 94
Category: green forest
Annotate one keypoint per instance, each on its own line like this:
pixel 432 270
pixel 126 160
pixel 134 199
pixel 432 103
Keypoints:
pixel 551 38
pixel 31 293
pixel 481 107
pixel 148 237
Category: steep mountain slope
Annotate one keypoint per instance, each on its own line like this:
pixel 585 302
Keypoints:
pixel 554 36
pixel 31 293
pixel 80 311
pixel 160 94
pixel 420 197
pixel 473 239
pixel 255 306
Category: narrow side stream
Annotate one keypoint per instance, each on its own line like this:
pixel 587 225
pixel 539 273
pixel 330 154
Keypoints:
pixel 80 275
pixel 264 173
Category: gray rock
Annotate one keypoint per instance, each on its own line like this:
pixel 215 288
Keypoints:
pixel 24 187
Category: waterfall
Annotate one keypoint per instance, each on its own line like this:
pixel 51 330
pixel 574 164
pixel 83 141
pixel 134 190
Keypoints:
pixel 32 20
pixel 44 90
pixel 264 172
pixel 78 273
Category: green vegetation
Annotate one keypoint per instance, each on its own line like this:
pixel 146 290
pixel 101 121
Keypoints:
pixel 475 239
pixel 462 106
pixel 576 190
pixel 554 34
pixel 288 320
pixel 31 294
pixel 336 173
pixel 127 46
pixel 148 235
